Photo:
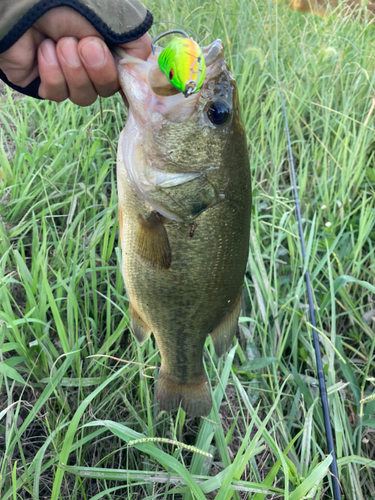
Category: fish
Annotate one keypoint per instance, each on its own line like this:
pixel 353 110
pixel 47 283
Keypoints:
pixel 184 205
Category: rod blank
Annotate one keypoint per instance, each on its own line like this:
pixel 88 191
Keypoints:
pixel 322 385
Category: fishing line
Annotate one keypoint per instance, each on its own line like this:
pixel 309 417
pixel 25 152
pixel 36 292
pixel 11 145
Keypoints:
pixel 322 385
pixel 166 33
pixel 178 24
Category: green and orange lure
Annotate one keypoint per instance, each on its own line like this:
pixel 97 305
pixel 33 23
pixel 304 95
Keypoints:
pixel 182 62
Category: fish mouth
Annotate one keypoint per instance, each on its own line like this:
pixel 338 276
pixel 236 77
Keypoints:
pixel 146 88
pixel 157 175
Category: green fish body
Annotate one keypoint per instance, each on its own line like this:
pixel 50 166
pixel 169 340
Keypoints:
pixel 184 213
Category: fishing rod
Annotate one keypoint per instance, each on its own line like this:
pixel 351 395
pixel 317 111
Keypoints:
pixel 322 385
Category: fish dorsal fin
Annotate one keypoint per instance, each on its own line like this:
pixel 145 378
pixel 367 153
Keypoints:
pixel 152 243
pixel 139 328
pixel 223 334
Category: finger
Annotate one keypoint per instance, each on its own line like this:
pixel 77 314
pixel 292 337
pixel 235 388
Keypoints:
pixel 100 65
pixel 81 90
pixel 53 84
pixel 140 48
pixel 19 62
pixel 64 21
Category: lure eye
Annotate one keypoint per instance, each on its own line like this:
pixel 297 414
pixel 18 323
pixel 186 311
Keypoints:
pixel 218 112
pixel 171 74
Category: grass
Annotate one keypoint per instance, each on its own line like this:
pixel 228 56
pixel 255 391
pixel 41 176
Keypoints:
pixel 78 415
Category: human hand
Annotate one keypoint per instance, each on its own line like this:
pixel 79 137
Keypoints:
pixel 70 56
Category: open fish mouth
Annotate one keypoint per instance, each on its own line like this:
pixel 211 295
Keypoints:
pixel 146 88
pixel 171 148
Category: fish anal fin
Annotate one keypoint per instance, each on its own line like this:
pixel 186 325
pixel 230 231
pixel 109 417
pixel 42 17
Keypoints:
pixel 152 243
pixel 139 327
pixel 194 397
pixel 223 334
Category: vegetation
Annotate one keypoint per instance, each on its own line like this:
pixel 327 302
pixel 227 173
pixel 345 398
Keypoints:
pixel 78 413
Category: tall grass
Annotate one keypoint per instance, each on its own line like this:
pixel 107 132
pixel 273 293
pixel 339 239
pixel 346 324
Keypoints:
pixel 78 412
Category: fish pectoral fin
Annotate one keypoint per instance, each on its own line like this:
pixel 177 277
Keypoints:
pixel 140 329
pixel 194 397
pixel 152 244
pixel 223 334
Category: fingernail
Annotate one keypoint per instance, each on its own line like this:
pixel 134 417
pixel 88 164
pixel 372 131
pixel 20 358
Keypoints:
pixel 68 50
pixel 93 53
pixel 49 52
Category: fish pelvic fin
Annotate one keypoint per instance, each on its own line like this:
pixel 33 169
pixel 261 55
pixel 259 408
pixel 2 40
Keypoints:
pixel 139 327
pixel 223 334
pixel 152 243
pixel 194 397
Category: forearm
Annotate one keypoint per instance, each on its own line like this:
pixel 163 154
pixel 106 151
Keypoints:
pixel 26 24
pixel 118 21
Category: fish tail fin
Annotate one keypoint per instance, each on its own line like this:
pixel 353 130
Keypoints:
pixel 194 397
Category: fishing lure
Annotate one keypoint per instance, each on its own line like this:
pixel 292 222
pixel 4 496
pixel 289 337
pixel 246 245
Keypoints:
pixel 182 62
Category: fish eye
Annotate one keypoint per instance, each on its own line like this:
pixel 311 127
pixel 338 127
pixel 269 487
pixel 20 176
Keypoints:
pixel 171 74
pixel 218 112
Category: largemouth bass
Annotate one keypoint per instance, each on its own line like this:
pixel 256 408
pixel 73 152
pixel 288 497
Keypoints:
pixel 184 214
